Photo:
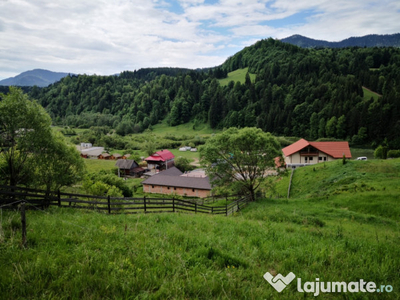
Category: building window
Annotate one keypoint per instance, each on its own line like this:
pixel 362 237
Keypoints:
pixel 305 159
pixel 320 158
pixel 193 190
pixel 168 187
pixel 174 188
pixel 311 158
pixel 325 158
pixel 152 186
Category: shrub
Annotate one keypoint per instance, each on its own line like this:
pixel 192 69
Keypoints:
pixel 393 153
pixel 381 152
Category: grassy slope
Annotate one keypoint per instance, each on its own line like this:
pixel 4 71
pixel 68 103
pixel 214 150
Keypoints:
pixel 368 94
pixel 184 129
pixel 237 75
pixel 369 187
pixel 342 224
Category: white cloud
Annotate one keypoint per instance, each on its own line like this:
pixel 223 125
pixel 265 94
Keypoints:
pixel 106 37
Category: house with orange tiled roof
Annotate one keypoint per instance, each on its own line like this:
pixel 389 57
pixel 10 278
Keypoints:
pixel 303 152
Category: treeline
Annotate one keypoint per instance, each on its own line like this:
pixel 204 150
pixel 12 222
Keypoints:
pixel 310 93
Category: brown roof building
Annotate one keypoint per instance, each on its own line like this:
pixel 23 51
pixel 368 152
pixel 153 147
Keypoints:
pixel 304 152
pixel 192 184
pixel 128 167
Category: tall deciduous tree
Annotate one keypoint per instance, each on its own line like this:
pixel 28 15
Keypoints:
pixel 240 155
pixel 58 164
pixel 24 128
pixel 31 153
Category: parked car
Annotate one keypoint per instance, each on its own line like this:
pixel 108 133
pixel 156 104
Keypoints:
pixel 362 158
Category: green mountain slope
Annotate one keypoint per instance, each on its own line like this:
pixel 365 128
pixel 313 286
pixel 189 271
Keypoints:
pixel 312 93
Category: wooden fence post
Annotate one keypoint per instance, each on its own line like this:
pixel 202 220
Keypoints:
pixel 59 197
pixel 144 203
pixel 195 207
pixel 173 204
pixel 23 223
pixel 226 209
pixel 109 204
pixel 212 210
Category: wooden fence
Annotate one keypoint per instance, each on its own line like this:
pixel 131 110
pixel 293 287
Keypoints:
pixel 11 196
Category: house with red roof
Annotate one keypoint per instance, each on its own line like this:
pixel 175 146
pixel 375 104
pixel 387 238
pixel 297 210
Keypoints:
pixel 161 160
pixel 303 152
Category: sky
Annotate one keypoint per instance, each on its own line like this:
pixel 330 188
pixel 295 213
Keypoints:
pixel 107 37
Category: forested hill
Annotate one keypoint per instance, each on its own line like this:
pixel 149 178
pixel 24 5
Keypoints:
pixel 372 40
pixel 310 93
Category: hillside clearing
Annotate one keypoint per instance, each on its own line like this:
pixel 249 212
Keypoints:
pixel 237 75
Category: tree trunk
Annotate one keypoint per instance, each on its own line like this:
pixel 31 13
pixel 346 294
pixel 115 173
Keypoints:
pixel 252 195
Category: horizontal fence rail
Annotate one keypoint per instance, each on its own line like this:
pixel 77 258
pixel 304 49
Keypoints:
pixel 11 196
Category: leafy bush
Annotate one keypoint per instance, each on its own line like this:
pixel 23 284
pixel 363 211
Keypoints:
pixel 106 184
pixel 183 164
pixel 381 152
pixel 393 153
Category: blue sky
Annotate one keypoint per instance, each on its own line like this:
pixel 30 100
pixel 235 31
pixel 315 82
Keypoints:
pixel 106 37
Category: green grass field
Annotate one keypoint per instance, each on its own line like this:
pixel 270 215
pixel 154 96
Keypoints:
pixel 368 94
pixel 189 129
pixel 96 165
pixel 341 224
pixel 237 75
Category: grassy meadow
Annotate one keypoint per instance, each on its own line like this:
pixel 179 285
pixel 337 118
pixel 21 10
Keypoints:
pixel 237 75
pixel 340 224
pixel 368 94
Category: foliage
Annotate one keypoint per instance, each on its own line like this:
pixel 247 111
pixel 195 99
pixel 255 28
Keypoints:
pixel 103 183
pixel 183 164
pixel 149 147
pixel 393 153
pixel 32 153
pixel 381 152
pixel 24 129
pixel 312 93
pixel 240 155
pixel 58 164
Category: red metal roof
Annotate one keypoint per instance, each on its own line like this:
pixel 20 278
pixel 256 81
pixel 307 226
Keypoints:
pixel 334 149
pixel 162 155
pixel 295 147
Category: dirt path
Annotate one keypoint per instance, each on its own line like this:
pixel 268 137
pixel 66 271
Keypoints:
pixel 195 162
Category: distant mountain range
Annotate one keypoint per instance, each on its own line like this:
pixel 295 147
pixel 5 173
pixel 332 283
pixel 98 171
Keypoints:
pixel 39 77
pixel 372 40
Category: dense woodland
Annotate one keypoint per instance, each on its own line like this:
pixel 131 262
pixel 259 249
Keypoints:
pixel 309 93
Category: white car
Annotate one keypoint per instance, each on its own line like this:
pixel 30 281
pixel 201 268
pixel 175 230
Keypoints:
pixel 362 158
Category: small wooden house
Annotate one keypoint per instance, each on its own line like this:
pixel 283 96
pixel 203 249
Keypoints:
pixel 116 156
pixel 105 156
pixel 128 167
